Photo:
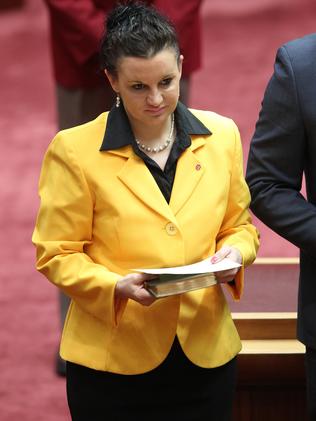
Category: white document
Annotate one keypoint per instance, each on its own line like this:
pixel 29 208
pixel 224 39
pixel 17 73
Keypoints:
pixel 204 266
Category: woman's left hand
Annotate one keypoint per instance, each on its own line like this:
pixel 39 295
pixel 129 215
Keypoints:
pixel 231 253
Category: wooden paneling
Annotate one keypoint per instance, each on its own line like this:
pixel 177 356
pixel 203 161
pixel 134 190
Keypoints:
pixel 271 378
pixel 271 285
pixel 270 403
pixel 268 325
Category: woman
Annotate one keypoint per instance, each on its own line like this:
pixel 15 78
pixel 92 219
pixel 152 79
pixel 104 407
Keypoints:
pixel 149 184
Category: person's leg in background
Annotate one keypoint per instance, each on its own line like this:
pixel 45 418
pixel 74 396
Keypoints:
pixel 78 106
pixel 185 90
pixel 75 107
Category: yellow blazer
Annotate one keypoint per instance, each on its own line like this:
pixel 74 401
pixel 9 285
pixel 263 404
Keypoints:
pixel 102 214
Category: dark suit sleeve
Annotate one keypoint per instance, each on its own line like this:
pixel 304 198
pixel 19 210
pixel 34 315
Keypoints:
pixel 276 160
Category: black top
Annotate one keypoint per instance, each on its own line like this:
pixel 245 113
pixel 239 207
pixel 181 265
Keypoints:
pixel 119 133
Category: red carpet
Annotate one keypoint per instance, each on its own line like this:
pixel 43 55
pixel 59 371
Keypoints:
pixel 239 48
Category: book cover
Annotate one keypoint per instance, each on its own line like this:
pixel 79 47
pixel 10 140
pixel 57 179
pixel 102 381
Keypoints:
pixel 180 279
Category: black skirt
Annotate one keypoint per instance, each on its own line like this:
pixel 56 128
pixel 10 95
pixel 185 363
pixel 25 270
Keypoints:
pixel 176 390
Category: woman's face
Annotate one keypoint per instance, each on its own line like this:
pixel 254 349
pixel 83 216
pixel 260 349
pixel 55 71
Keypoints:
pixel 148 87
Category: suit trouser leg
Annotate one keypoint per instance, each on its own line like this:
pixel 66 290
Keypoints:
pixel 185 90
pixel 310 367
pixel 74 107
pixel 77 106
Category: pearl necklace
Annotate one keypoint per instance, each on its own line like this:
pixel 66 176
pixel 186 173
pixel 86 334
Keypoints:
pixel 161 147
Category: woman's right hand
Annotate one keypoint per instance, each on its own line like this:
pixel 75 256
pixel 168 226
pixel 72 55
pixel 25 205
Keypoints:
pixel 132 286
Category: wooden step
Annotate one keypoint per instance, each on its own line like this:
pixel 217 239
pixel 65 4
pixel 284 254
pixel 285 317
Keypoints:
pixel 272 346
pixel 266 325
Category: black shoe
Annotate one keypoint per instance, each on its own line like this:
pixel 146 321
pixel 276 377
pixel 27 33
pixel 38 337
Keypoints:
pixel 60 367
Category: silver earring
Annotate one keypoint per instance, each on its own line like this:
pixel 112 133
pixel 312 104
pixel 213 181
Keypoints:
pixel 118 100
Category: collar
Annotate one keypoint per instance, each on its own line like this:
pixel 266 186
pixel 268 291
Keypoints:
pixel 119 133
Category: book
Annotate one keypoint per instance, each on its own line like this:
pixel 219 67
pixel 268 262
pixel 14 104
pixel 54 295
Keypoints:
pixel 168 284
pixel 180 279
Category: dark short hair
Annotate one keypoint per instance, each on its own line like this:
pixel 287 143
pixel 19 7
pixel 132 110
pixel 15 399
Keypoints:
pixel 134 29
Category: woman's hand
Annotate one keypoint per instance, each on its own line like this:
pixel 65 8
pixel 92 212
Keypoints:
pixel 231 253
pixel 132 286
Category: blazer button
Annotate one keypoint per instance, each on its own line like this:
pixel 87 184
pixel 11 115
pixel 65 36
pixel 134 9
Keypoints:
pixel 171 229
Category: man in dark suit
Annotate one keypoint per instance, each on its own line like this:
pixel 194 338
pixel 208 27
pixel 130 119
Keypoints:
pixel 283 148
